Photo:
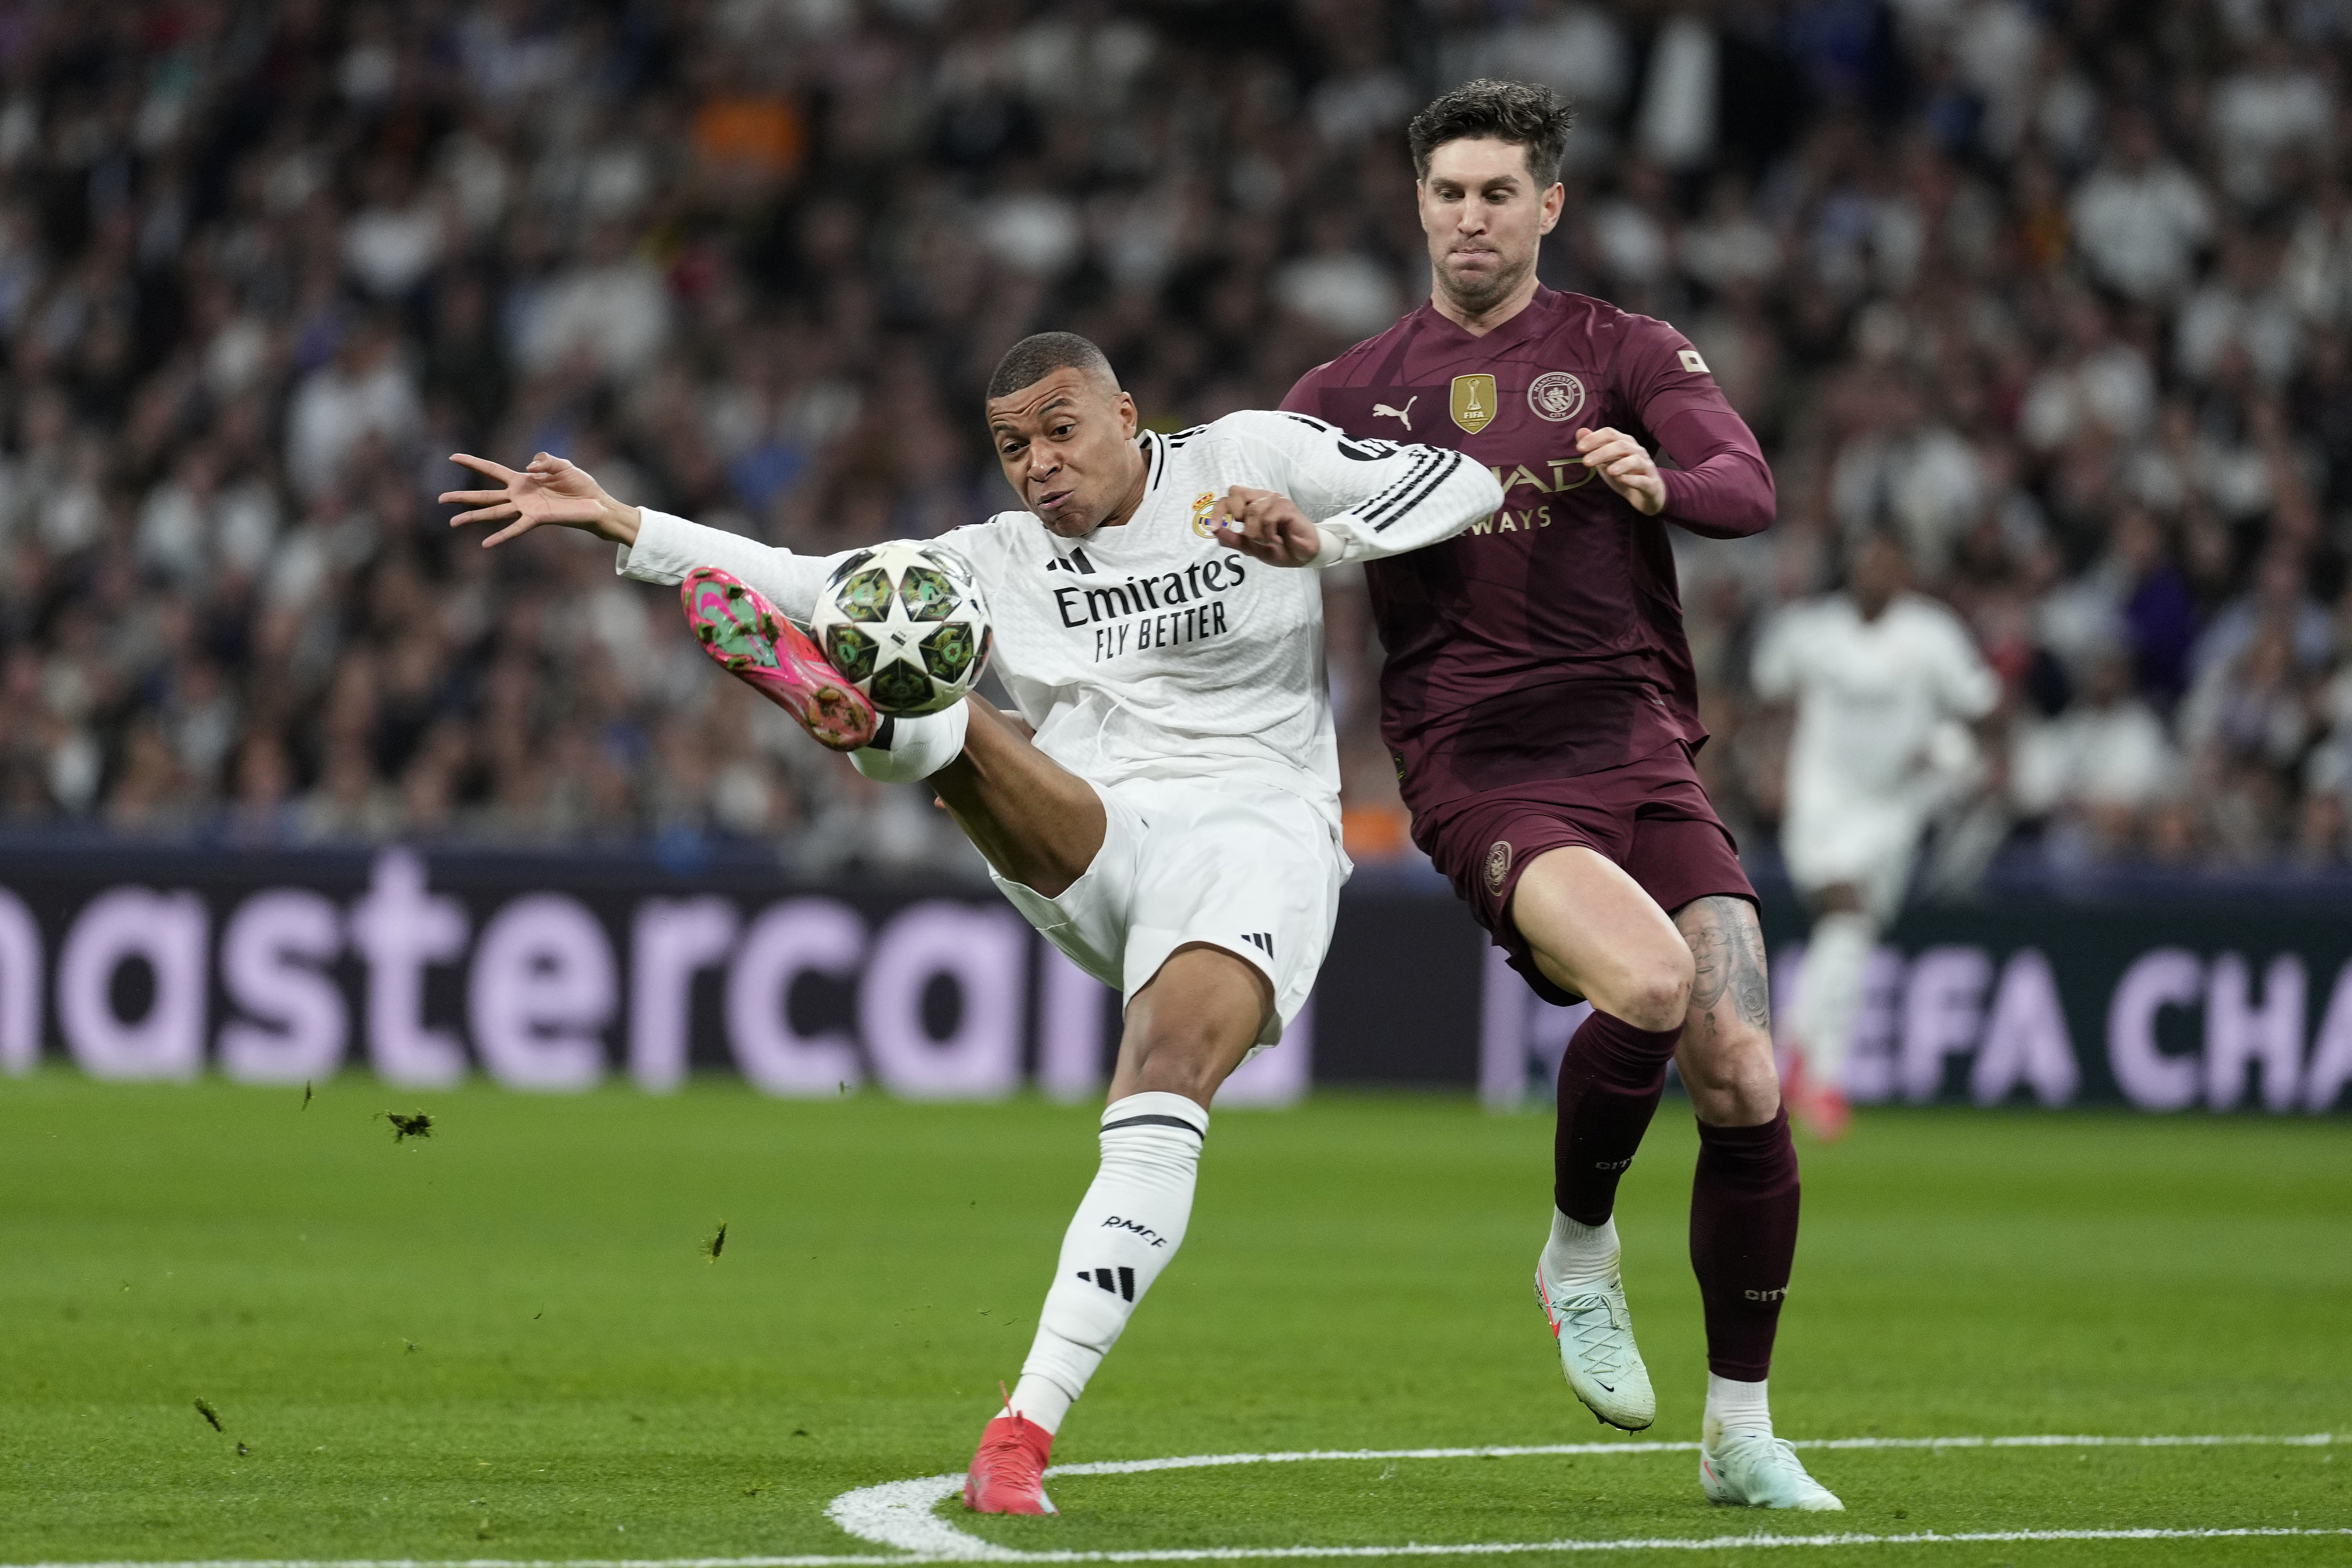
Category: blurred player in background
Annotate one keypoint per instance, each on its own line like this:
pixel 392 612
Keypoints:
pixel 1165 810
pixel 1540 700
pixel 1885 683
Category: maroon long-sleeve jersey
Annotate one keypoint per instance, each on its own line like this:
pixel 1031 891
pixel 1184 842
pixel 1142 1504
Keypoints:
pixel 1546 641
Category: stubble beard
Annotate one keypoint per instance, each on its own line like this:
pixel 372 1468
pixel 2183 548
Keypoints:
pixel 1475 297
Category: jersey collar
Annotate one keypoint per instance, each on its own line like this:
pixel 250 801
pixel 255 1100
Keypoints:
pixel 1155 456
pixel 1519 327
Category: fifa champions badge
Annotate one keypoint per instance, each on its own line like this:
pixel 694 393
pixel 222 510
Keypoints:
pixel 1474 407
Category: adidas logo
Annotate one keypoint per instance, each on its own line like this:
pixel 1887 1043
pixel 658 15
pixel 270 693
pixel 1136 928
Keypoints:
pixel 1120 1282
pixel 1260 940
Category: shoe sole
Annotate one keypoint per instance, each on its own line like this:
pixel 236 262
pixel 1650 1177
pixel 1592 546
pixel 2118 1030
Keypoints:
pixel 1626 1417
pixel 746 637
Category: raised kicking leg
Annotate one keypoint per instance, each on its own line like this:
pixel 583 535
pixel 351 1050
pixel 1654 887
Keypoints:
pixel 1744 1199
pixel 1595 931
pixel 1036 821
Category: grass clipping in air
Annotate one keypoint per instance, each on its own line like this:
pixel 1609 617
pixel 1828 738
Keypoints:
pixel 403 1127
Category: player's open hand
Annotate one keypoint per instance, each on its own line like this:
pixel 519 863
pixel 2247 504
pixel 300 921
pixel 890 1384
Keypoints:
pixel 1625 466
pixel 551 490
pixel 1267 527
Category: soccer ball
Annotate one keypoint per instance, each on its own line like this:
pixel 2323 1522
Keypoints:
pixel 904 622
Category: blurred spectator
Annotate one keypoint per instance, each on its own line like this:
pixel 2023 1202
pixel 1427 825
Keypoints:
pixel 2139 217
pixel 2095 771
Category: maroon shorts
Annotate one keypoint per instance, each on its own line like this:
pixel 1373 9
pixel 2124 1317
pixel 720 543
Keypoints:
pixel 1650 816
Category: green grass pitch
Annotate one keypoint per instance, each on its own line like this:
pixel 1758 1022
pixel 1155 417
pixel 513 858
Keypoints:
pixel 504 1340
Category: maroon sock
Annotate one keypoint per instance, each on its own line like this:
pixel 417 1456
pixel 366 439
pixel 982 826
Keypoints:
pixel 1743 1238
pixel 1609 1081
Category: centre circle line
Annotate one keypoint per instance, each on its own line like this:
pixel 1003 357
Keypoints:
pixel 901 1515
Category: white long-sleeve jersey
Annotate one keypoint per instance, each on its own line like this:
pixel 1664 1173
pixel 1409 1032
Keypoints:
pixel 1869 695
pixel 1150 650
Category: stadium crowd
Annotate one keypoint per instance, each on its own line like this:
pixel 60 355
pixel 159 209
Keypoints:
pixel 2059 292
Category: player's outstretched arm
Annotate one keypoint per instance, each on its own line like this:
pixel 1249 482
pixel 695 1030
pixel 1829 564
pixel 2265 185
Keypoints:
pixel 655 546
pixel 1357 499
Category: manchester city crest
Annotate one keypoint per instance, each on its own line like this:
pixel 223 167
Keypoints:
pixel 1555 395
pixel 1498 864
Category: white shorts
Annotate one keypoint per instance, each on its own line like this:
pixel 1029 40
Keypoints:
pixel 1866 843
pixel 1256 874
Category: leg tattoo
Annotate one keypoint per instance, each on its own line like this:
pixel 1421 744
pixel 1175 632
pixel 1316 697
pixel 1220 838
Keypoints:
pixel 1726 959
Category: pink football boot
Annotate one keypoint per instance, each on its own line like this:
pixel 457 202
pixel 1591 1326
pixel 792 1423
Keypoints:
pixel 745 636
pixel 1821 1107
pixel 1008 1474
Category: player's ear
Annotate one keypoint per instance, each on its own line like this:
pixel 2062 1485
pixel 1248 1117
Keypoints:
pixel 1555 201
pixel 1129 421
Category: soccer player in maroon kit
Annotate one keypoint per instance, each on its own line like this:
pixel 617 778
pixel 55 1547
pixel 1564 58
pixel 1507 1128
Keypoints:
pixel 1541 705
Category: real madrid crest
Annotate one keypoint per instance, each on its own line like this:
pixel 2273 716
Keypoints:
pixel 1555 395
pixel 1474 402
pixel 1202 504
pixel 1498 864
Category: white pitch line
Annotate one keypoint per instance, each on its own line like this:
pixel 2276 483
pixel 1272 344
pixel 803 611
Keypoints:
pixel 2033 1440
pixel 900 1513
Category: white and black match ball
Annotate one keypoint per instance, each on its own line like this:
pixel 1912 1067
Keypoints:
pixel 905 622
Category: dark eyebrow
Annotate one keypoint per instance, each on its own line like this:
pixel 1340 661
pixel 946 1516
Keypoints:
pixel 1004 421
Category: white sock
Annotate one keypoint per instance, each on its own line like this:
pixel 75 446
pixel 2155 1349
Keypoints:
pixel 1580 1254
pixel 1041 1400
pixel 912 749
pixel 1127 1227
pixel 1829 993
pixel 1734 1407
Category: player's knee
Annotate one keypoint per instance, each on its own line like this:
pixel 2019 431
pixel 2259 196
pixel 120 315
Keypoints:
pixel 1730 1076
pixel 1657 993
pixel 1192 1069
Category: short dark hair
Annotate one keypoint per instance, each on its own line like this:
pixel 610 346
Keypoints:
pixel 1034 357
pixel 1526 114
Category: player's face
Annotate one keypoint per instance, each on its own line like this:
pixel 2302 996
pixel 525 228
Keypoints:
pixel 1484 214
pixel 1880 573
pixel 1067 445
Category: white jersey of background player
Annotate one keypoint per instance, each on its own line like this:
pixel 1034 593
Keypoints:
pixel 1166 809
pixel 1882 680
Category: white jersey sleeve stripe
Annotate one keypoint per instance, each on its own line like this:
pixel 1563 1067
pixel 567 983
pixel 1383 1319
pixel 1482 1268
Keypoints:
pixel 1380 497
pixel 1452 464
pixel 1389 499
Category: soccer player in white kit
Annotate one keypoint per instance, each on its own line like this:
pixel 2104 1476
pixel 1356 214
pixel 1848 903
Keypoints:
pixel 1883 680
pixel 1165 808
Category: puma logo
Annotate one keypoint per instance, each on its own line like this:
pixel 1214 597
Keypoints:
pixel 1402 416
